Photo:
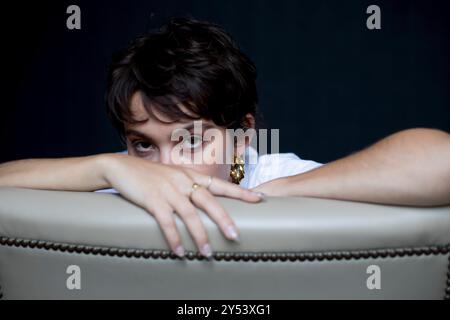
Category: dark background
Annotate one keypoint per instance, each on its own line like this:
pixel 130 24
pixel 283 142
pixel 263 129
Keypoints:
pixel 327 82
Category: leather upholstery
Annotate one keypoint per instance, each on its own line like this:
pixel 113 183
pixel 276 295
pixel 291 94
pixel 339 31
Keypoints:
pixel 290 248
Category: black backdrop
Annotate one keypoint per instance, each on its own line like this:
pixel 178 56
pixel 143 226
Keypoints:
pixel 327 82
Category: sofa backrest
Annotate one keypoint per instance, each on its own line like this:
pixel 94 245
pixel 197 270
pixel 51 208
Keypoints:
pixel 82 245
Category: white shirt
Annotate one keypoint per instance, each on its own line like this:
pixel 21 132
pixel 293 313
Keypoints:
pixel 263 168
pixel 272 166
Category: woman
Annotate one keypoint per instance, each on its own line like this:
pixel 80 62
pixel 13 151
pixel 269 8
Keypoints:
pixel 189 70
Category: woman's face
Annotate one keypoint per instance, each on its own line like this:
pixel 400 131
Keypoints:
pixel 182 143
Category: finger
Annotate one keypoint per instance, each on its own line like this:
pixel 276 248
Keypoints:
pixel 221 187
pixel 224 188
pixel 163 214
pixel 189 215
pixel 204 200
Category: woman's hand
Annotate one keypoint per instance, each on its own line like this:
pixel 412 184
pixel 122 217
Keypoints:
pixel 164 190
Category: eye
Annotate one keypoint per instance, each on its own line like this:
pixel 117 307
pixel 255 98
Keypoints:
pixel 193 141
pixel 142 146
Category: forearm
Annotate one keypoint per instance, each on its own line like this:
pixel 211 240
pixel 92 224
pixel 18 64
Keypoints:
pixel 76 174
pixel 411 167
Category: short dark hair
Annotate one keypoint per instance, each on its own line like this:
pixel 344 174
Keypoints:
pixel 195 62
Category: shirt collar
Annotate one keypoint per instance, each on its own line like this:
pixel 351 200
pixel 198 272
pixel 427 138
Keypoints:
pixel 251 160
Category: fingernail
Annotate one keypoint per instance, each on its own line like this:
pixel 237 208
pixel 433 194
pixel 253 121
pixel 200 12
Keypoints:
pixel 206 250
pixel 179 251
pixel 231 232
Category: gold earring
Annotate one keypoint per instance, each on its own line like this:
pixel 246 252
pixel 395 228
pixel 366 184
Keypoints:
pixel 237 170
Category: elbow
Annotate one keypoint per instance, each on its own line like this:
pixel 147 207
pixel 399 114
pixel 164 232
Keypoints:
pixel 429 135
pixel 429 151
pixel 431 142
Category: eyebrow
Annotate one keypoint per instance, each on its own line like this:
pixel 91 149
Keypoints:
pixel 188 127
pixel 137 133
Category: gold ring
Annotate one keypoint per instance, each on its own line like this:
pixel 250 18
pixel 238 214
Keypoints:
pixel 194 187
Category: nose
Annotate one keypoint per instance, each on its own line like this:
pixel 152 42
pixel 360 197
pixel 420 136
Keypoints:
pixel 165 156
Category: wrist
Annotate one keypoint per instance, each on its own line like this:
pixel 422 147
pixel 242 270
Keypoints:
pixel 106 164
pixel 299 185
pixel 280 187
pixel 294 186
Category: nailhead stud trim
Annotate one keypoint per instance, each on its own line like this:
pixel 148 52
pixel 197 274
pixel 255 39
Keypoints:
pixel 232 256
pixel 447 290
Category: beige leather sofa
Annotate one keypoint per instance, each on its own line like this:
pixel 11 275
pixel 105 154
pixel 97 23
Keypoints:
pixel 290 248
